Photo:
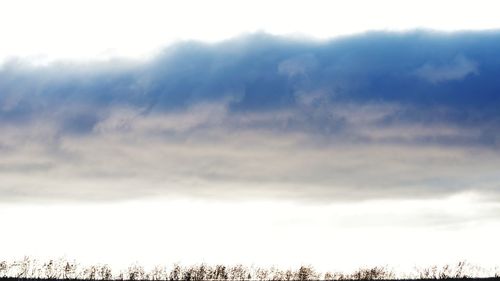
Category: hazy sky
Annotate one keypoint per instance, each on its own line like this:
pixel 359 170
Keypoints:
pixel 336 134
pixel 99 29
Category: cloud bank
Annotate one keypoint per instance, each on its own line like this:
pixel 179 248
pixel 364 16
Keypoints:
pixel 377 115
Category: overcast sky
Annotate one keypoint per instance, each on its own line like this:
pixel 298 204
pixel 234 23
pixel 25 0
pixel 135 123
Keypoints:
pixel 336 134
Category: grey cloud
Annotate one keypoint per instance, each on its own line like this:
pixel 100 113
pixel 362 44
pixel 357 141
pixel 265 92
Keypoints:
pixel 176 155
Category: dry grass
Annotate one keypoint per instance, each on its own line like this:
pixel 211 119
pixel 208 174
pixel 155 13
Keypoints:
pixel 28 268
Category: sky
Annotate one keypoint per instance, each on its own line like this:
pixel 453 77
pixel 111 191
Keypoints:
pixel 336 134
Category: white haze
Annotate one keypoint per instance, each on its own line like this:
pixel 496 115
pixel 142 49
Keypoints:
pixel 43 31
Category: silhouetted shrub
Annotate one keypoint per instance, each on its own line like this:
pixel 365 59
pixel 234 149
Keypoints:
pixel 136 272
pixel 3 269
pixel 219 273
pixel 175 273
pixel 461 270
pixel 335 276
pixel 69 270
pixel 306 273
pixel 63 269
pixel 158 273
pixel 105 272
pixel 374 273
pixel 239 273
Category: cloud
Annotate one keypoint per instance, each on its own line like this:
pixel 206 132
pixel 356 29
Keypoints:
pixel 458 69
pixel 297 66
pixel 362 117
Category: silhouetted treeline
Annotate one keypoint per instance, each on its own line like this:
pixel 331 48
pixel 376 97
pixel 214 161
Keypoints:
pixel 28 268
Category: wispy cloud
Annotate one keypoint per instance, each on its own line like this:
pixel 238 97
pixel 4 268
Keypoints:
pixel 458 69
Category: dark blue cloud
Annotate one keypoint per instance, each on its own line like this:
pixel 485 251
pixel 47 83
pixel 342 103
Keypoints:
pixel 447 78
